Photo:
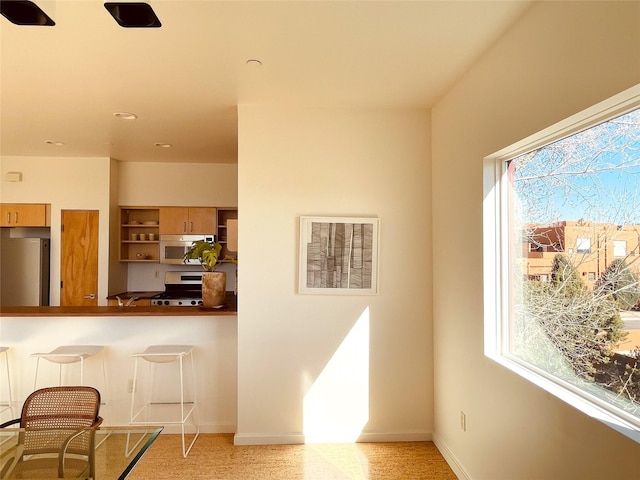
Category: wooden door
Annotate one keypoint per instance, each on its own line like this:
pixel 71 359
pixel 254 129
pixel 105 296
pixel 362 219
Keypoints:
pixel 79 258
pixel 174 220
pixel 202 220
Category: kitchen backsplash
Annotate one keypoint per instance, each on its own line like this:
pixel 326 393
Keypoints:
pixel 149 277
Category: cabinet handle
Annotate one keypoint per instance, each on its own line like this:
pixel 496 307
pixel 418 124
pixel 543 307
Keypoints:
pixel 191 229
pixel 8 217
pixel 184 227
pixel 16 217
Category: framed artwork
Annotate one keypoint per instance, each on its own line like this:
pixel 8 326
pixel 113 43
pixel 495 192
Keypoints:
pixel 338 255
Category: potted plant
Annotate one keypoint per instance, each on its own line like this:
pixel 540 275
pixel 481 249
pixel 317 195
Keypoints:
pixel 213 283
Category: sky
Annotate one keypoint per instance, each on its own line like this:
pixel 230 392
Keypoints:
pixel 591 175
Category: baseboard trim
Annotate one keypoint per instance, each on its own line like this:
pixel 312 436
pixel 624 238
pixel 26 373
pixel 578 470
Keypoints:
pixel 299 438
pixel 451 459
pixel 189 429
pixel 395 437
pixel 261 439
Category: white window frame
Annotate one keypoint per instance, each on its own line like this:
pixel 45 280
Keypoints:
pixel 497 271
pixel 583 245
pixel 619 248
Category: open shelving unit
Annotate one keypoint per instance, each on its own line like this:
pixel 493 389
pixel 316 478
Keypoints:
pixel 134 223
pixel 224 214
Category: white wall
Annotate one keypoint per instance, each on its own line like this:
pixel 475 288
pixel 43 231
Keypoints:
pixel 215 354
pixel 78 183
pixel 559 59
pixel 172 184
pixel 320 161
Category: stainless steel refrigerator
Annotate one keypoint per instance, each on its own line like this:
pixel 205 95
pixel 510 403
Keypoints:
pixel 24 271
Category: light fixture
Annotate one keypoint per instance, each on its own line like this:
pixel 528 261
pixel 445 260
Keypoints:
pixel 163 145
pixel 55 143
pixel 254 61
pixel 125 115
pixel 133 14
pixel 24 12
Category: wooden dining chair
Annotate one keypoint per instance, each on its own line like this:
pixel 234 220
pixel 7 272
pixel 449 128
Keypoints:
pixel 57 436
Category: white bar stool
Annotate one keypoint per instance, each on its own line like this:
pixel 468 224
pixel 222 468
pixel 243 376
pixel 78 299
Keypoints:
pixel 157 354
pixel 68 354
pixel 6 403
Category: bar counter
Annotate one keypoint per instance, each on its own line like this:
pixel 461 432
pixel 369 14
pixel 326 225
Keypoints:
pixel 123 332
pixel 114 311
pixel 229 309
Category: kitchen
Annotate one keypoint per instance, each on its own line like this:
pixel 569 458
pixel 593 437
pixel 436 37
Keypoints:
pixel 75 184
pixel 104 185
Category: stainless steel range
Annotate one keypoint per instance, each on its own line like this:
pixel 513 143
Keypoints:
pixel 181 289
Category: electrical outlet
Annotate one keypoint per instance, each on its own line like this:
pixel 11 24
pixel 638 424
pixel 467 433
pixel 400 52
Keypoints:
pixel 130 386
pixel 156 274
pixel 463 421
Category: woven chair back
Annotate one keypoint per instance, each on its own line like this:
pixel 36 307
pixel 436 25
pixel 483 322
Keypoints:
pixel 49 414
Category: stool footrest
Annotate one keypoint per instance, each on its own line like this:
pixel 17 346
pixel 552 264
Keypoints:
pixel 183 420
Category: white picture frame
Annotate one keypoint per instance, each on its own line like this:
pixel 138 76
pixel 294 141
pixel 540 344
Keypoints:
pixel 338 255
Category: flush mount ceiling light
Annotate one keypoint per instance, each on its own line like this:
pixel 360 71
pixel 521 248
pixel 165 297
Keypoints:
pixel 24 12
pixel 125 115
pixel 163 145
pixel 52 142
pixel 133 14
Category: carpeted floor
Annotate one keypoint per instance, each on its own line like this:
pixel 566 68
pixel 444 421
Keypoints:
pixel 215 457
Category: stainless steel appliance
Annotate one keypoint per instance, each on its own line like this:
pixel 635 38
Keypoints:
pixel 24 272
pixel 173 248
pixel 181 289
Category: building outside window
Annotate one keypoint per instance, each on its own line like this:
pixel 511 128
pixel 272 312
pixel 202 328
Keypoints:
pixel 570 190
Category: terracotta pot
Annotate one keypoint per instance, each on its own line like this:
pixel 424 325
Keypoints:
pixel 214 286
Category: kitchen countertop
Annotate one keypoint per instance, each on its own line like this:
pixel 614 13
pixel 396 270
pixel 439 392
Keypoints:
pixel 229 309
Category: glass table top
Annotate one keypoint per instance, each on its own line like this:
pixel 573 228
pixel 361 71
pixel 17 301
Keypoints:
pixel 117 450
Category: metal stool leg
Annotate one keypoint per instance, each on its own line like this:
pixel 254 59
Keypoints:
pixel 166 354
pixel 9 405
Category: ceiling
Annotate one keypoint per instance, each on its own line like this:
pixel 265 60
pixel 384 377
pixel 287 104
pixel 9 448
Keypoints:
pixel 185 80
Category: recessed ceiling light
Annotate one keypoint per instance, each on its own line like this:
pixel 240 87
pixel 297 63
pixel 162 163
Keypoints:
pixel 163 145
pixel 51 142
pixel 125 115
pixel 25 12
pixel 133 14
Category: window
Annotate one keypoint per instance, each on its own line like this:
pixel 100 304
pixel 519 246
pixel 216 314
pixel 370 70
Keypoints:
pixel 619 248
pixel 534 247
pixel 575 180
pixel 583 245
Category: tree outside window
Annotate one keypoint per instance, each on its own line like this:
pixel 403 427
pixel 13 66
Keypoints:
pixel 574 219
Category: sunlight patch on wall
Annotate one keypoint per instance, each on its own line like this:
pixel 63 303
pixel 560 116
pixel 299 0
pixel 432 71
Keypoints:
pixel 336 407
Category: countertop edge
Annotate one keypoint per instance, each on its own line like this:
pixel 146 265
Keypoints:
pixel 136 311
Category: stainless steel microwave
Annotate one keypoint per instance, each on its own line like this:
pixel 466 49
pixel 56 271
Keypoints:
pixel 173 248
